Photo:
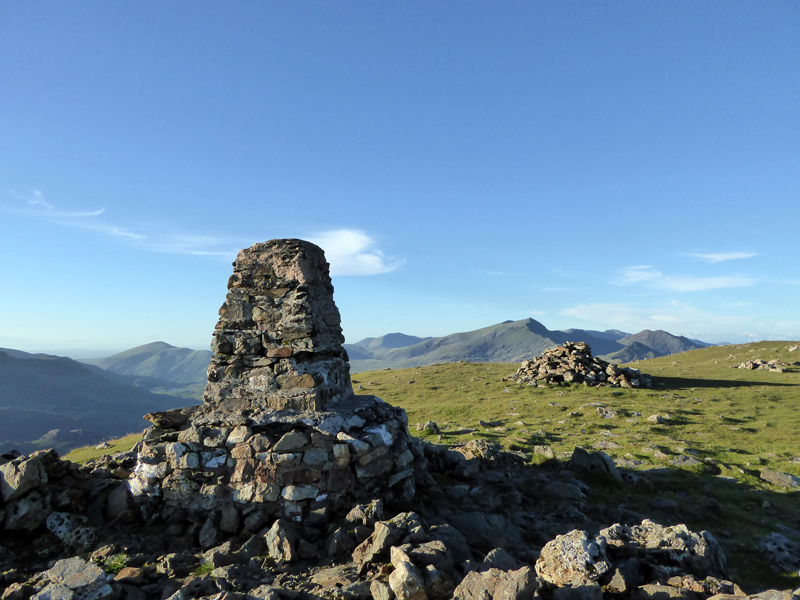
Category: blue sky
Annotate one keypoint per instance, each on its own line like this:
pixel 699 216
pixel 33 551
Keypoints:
pixel 630 165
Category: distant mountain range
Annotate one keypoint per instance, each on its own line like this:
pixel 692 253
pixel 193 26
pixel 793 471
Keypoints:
pixel 55 402
pixel 510 341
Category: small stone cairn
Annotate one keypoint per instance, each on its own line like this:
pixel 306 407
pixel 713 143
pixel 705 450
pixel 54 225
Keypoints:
pixel 573 363
pixel 280 433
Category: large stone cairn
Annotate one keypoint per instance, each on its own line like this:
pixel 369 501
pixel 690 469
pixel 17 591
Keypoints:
pixel 280 433
pixel 278 343
pixel 573 363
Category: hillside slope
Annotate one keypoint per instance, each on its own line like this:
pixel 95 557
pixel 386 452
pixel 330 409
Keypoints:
pixel 662 342
pixel 159 360
pixel 45 393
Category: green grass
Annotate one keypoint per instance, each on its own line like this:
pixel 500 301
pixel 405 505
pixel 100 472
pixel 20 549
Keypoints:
pixel 734 421
pixel 87 453
pixel 115 563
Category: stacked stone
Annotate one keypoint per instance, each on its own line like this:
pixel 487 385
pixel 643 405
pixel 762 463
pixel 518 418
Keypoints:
pixel 573 363
pixel 263 445
pixel 278 343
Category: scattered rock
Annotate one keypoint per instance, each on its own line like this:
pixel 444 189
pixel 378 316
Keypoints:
pixel 780 479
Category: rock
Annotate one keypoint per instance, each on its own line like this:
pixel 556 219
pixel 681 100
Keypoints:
pixel 668 550
pixel 625 577
pixel 782 553
pixel 19 476
pixel 595 463
pixel 780 479
pixel 573 559
pixel 75 579
pixel 438 584
pixel 27 513
pixel 406 580
pixel 208 533
pixel 655 591
pixel 281 542
pixel 71 530
pixel 684 461
pixel 380 590
pixel 495 584
pixel 117 501
pixel 561 489
pixel 366 514
pixel 500 559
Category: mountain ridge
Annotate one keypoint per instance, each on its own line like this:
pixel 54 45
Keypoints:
pixel 510 341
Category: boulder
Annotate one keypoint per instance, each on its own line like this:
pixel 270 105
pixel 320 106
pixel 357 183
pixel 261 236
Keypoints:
pixel 573 559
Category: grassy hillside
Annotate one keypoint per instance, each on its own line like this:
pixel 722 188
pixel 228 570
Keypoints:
pixel 160 361
pixel 43 394
pixel 734 422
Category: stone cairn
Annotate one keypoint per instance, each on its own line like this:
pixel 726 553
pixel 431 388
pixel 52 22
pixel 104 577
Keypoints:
pixel 280 433
pixel 573 363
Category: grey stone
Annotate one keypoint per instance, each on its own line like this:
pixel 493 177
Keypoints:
pixel 495 584
pixel 783 554
pixel 573 559
pixel 281 542
pixel 380 590
pixel 71 530
pixel 27 513
pixel 19 476
pixel 208 533
pixel 595 463
pixel 655 591
pixel 117 501
pixel 500 559
pixel 406 580
pixel 293 440
pixel 780 479
pixel 669 550
pixel 76 579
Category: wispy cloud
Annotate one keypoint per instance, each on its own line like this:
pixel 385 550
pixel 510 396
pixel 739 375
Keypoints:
pixel 637 274
pixel 716 257
pixel 38 208
pixel 697 284
pixel 349 251
pixel 673 283
pixel 680 318
pixel 353 252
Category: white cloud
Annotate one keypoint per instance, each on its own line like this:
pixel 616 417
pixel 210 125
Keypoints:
pixel 696 284
pixel 646 273
pixel 353 252
pixel 637 274
pixel 715 257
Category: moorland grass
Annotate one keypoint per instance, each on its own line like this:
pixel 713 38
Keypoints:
pixel 87 453
pixel 734 421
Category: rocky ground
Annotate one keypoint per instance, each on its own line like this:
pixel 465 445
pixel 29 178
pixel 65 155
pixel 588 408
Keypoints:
pixel 482 525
